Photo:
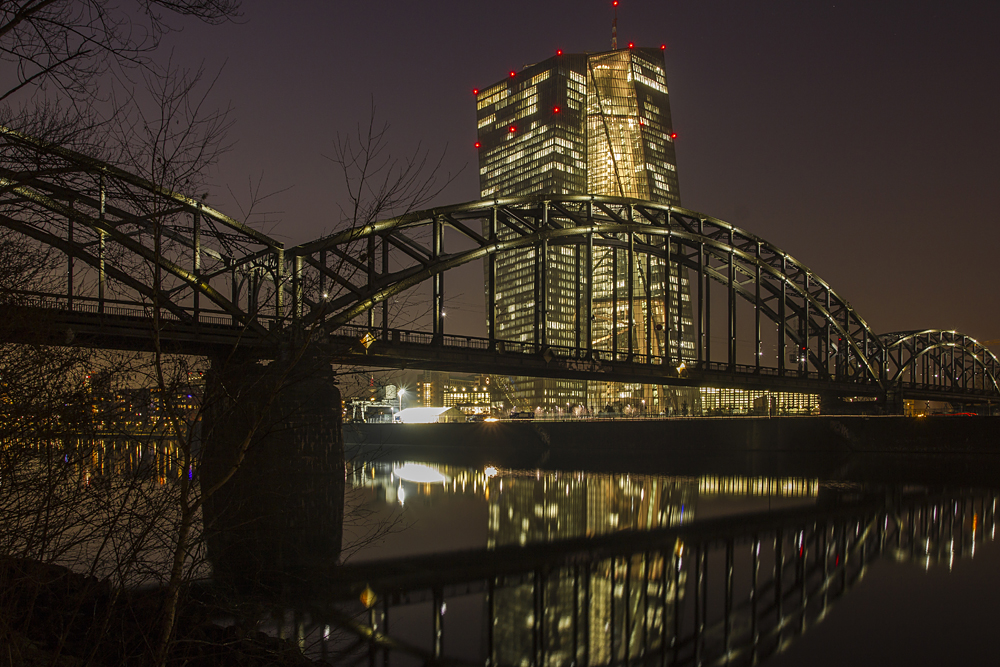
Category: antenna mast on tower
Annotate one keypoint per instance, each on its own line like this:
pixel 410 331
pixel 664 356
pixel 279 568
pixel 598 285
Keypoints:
pixel 614 28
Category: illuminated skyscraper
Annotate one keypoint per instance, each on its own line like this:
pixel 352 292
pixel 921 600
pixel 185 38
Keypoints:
pixel 582 124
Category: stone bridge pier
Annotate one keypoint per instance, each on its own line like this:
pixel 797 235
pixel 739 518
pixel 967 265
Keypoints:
pixel 273 470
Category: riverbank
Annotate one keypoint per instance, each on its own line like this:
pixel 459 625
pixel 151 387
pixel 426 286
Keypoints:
pixel 738 446
pixel 53 616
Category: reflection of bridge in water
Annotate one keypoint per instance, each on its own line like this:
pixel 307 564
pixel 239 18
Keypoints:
pixel 697 591
pixel 129 262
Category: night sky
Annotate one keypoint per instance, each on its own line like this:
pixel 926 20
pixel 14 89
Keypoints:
pixel 860 137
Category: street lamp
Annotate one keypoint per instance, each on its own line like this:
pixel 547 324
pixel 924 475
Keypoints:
pixel 399 395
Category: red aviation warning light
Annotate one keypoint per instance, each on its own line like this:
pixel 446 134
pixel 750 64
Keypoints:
pixel 631 45
pixel 512 73
pixel 663 47
pixel 555 109
pixel 558 52
pixel 475 91
pixel 673 135
pixel 512 129
pixel 615 3
pixel 477 144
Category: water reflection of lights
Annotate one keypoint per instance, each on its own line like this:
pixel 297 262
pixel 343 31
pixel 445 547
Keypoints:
pixel 420 473
pixel 757 486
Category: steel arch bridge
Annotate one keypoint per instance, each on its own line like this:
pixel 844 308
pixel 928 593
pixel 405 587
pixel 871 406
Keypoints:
pixel 117 260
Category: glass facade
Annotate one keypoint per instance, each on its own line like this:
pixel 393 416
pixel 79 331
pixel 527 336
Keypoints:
pixel 585 124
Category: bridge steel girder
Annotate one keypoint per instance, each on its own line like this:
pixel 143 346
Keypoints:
pixel 830 339
pixel 131 243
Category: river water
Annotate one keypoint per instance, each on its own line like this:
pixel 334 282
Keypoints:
pixel 461 554
pixel 875 561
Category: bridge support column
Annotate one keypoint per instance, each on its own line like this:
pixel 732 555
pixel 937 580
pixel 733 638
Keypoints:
pixel 893 402
pixel 272 470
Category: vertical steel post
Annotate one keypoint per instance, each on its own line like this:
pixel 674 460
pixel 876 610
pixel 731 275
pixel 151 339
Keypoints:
pixel 614 302
pixel 667 320
pixel 69 261
pixel 437 296
pixel 279 285
pixel 679 303
pixel 102 278
pixel 590 293
pixel 731 305
pixel 708 311
pixel 805 328
pixel 577 298
pixel 322 274
pixel 542 302
pixel 782 317
pixel 297 288
pixel 322 283
pixel 700 343
pixel 196 264
pixel 649 305
pixel 826 326
pixel 757 347
pixel 630 287
pixel 491 283
pixel 235 290
pixel 370 261
pixel 385 271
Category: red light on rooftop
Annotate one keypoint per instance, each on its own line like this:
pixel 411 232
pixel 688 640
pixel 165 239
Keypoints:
pixel 615 3
pixel 559 52
pixel 673 135
pixel 475 91
pixel 477 144
pixel 663 47
pixel 512 129
pixel 631 45
pixel 512 72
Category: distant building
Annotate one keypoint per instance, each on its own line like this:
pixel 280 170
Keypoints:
pixel 471 394
pixel 596 123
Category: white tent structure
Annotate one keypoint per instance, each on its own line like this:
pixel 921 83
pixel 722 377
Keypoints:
pixel 431 415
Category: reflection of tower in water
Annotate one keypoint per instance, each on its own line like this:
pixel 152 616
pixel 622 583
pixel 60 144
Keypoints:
pixel 580 609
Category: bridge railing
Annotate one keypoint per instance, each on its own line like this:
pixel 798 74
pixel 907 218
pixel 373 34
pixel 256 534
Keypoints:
pixel 424 338
pixel 115 308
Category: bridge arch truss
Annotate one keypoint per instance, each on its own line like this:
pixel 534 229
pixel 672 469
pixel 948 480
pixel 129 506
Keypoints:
pixel 743 290
pixel 696 299
pixel 108 243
